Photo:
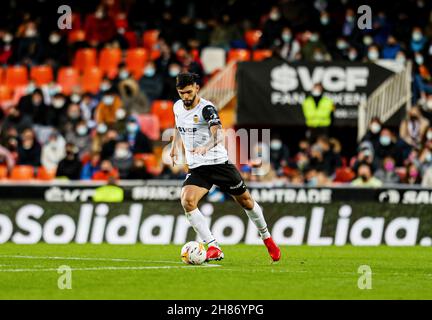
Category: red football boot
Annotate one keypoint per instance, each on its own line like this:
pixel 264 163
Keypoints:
pixel 214 254
pixel 273 249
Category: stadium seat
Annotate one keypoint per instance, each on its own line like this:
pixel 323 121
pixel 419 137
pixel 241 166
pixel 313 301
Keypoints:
pixel 5 93
pixel 16 76
pixel 252 37
pixel 150 38
pixel 344 175
pixel 68 78
pixel 213 59
pixel 2 75
pixel 154 54
pixel 259 55
pixel 45 174
pixel 163 109
pixel 131 39
pixel 3 172
pixel 136 59
pixel 149 124
pixel 41 74
pixel 91 79
pixel 238 55
pixel 150 161
pixel 22 172
pixel 109 59
pixel 76 36
pixel 85 58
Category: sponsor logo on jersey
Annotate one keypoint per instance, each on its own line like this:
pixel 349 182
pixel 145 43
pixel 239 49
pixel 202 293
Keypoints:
pixel 183 129
pixel 195 118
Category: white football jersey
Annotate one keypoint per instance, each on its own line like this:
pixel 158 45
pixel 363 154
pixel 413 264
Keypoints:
pixel 194 128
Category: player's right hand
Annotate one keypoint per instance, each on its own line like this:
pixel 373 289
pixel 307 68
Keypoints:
pixel 173 155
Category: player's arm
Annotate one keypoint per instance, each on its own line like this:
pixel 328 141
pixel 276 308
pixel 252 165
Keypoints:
pixel 176 145
pixel 216 133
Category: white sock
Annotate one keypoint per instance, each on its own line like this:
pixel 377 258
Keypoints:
pixel 257 217
pixel 198 222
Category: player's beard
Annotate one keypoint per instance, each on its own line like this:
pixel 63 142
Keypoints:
pixel 188 103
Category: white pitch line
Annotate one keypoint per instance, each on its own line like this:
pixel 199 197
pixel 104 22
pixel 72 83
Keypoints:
pixel 111 268
pixel 86 259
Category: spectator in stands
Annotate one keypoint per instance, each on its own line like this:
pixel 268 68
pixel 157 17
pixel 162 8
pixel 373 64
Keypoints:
pixel 53 151
pixel 56 111
pixel 138 170
pixel 134 101
pixel 422 84
pixel 169 90
pixel 391 145
pixel 386 173
pixel 190 65
pixel 29 49
pixel 223 33
pixel 54 53
pixel 166 58
pixel 6 48
pixel 106 111
pixel 418 40
pixel 70 166
pixel 151 82
pixel 88 106
pixel 288 47
pixel 69 121
pixel 272 27
pixel 427 178
pixel 374 132
pixel 349 24
pixel 16 119
pixel 29 150
pixel 315 177
pixel 33 105
pixel 80 137
pixel 279 154
pixel 373 54
pixel 138 141
pixel 91 167
pixel 122 158
pixel 109 141
pixel 391 48
pixel 314 49
pixel 331 159
pixel 424 160
pixel 365 154
pixel 412 174
pixel 100 27
pixel 413 128
pixel 365 177
pixel 106 172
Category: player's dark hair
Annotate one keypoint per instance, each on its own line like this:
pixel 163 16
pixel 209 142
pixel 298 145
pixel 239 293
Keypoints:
pixel 185 79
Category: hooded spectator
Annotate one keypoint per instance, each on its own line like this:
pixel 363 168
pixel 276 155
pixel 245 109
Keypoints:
pixel 70 166
pixel 29 149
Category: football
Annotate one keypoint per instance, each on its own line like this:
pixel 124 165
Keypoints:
pixel 193 252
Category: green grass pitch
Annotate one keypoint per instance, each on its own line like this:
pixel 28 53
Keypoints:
pixel 156 272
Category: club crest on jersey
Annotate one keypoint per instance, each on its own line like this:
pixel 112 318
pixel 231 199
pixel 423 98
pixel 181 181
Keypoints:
pixel 195 119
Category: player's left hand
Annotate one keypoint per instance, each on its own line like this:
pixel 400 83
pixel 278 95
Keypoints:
pixel 199 150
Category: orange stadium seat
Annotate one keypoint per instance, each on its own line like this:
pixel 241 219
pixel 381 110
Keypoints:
pixel 259 55
pixel 155 54
pixel 45 174
pixel 76 36
pixel 3 172
pixel 136 59
pixel 91 79
pixel 149 158
pixel 150 38
pixel 252 37
pixel 149 124
pixel 344 175
pixel 163 109
pixel 5 93
pixel 16 76
pixel 85 58
pixel 68 78
pixel 238 55
pixel 109 59
pixel 2 75
pixel 41 74
pixel 22 172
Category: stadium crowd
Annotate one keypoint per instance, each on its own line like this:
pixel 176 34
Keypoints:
pixel 97 134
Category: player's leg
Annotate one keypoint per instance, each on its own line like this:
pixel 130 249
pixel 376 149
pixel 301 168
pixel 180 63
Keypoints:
pixel 255 214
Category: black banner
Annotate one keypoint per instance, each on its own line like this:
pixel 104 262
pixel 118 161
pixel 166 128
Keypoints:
pixel 271 92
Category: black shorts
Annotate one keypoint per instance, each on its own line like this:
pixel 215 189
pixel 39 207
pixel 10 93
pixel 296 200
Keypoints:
pixel 224 175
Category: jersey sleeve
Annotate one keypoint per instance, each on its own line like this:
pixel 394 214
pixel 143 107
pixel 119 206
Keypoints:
pixel 211 116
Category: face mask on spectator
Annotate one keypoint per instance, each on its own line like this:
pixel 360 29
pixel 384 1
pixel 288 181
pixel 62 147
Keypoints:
pixel 314 37
pixel 400 58
pixel 75 98
pixel 349 18
pixel 341 44
pixel 373 55
pixel 316 92
pixel 429 135
pixel 324 20
pixel 54 38
pixel 385 140
pixel 149 71
pixel 419 59
pixel 58 103
pixel 428 157
pixel 375 127
pixel 429 104
pixel 286 37
pixel 102 128
pixel 81 130
pixel 74 115
pixel 389 166
pixel 131 127
pixel 121 153
pixel 276 144
pixel 417 36
pixel 99 14
pixel 105 86
pixel 413 173
pixel 108 100
pixel 274 16
pixel 318 57
pixel 173 72
pixel 124 74
pixel 367 40
pixel 7 38
pixel 120 114
pixel 30 33
pixel 352 55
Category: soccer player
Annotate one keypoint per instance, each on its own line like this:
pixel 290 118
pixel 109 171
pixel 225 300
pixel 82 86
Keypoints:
pixel 201 134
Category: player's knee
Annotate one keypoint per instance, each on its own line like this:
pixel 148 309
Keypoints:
pixel 188 203
pixel 247 203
